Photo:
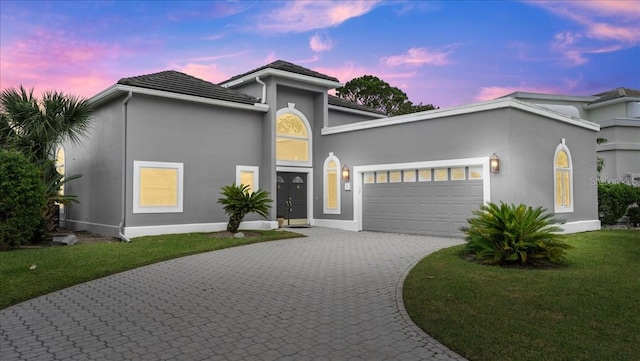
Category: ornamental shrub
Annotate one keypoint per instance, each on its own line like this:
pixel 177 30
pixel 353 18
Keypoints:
pixel 614 199
pixel 510 234
pixel 238 202
pixel 22 199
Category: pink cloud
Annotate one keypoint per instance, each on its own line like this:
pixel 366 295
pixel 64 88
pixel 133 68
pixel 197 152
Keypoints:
pixel 320 43
pixel 301 16
pixel 494 92
pixel 208 72
pixel 419 57
pixel 55 60
pixel 615 25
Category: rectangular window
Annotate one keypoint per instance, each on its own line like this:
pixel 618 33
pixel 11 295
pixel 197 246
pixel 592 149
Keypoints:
pixel 442 174
pixel 458 173
pixel 332 190
pixel 157 187
pixel 248 175
pixel 424 175
pixel 475 172
pixel 395 176
pixel 369 178
pixel 381 177
pixel 409 175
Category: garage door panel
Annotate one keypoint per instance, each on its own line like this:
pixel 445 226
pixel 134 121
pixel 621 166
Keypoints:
pixel 433 208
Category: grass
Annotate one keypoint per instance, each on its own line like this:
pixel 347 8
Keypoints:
pixel 64 266
pixel 588 310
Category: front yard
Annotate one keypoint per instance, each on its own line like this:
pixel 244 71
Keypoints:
pixel 588 310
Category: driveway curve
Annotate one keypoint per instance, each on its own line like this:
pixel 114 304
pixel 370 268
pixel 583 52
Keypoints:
pixel 334 295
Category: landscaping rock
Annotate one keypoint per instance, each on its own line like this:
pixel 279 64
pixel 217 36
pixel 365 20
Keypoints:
pixel 68 240
pixel 238 235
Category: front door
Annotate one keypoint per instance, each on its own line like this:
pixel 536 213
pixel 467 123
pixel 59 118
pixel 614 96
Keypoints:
pixel 292 198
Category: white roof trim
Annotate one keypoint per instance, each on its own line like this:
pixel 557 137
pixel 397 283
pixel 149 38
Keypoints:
pixel 556 97
pixel 625 99
pixel 465 109
pixel 114 90
pixel 285 74
pixel 355 111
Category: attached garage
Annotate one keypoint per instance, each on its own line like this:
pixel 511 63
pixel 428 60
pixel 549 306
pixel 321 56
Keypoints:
pixel 430 200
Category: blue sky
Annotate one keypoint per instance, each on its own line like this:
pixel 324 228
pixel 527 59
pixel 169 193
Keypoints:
pixel 442 52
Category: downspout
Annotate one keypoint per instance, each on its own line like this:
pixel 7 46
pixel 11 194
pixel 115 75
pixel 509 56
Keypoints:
pixel 263 100
pixel 124 169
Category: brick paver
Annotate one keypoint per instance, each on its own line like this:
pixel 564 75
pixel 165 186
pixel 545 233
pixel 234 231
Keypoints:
pixel 333 295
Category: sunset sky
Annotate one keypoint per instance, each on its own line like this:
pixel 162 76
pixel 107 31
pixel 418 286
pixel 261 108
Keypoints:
pixel 442 52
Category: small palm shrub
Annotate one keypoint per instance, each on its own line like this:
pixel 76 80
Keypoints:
pixel 510 234
pixel 22 198
pixel 238 202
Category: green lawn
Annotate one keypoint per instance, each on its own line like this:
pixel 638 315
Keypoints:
pixel 63 266
pixel 588 310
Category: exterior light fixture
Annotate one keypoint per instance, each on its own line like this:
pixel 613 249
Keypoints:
pixel 346 173
pixel 494 163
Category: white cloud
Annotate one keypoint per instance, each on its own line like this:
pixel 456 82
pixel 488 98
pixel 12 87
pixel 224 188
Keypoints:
pixel 419 57
pixel 320 43
pixel 301 16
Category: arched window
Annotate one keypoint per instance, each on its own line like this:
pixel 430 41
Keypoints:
pixel 563 179
pixel 331 178
pixel 293 140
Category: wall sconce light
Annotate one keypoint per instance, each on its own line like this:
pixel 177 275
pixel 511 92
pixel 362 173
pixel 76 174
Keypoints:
pixel 494 163
pixel 346 173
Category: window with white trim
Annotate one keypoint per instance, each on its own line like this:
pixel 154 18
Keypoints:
pixel 293 137
pixel 157 187
pixel 563 179
pixel 331 180
pixel 60 168
pixel 248 175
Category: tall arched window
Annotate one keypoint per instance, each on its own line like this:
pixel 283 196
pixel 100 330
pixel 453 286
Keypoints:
pixel 331 180
pixel 293 137
pixel 563 179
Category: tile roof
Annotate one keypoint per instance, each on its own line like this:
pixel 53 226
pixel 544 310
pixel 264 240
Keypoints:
pixel 334 100
pixel 616 93
pixel 286 66
pixel 180 83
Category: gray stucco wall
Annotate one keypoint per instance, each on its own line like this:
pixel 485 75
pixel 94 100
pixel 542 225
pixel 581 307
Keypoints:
pixel 337 117
pixel 98 159
pixel 525 143
pixel 209 140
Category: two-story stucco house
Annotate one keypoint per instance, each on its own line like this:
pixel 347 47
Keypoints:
pixel 164 144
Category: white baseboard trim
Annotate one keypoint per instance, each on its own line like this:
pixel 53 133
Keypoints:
pixel 131 232
pixel 581 226
pixel 335 223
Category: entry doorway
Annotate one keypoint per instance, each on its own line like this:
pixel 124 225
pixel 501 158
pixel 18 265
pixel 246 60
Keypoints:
pixel 292 198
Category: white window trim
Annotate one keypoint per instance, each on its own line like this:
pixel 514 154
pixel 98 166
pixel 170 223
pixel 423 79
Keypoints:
pixel 556 208
pixel 325 183
pixel 291 109
pixel 137 208
pixel 249 169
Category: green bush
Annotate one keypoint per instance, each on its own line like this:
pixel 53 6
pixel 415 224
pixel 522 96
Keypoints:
pixel 22 199
pixel 614 199
pixel 510 234
pixel 238 202
pixel 634 215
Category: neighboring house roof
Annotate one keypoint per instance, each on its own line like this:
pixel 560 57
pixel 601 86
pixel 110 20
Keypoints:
pixel 615 94
pixel 180 83
pixel 286 69
pixel 500 103
pixel 334 100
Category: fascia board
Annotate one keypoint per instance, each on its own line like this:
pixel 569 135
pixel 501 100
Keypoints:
pixel 554 97
pixel 285 74
pixel 465 109
pixel 118 88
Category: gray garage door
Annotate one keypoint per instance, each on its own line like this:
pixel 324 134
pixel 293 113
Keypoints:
pixel 429 201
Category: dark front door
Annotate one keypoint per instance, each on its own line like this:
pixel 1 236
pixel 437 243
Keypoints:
pixel 292 197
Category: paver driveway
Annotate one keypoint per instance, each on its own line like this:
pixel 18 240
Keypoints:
pixel 330 296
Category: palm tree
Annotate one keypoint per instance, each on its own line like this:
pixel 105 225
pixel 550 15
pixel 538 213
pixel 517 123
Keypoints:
pixel 36 127
pixel 238 202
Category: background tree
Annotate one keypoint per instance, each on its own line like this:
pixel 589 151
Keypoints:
pixel 375 93
pixel 36 127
